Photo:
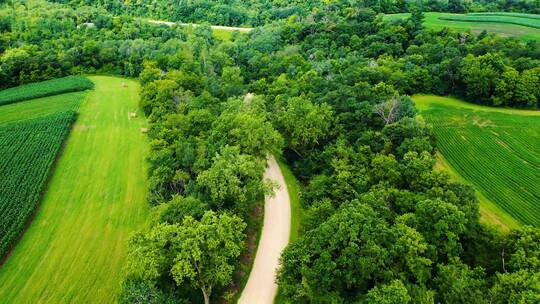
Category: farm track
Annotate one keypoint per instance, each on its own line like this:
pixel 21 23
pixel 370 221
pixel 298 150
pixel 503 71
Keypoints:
pixel 215 27
pixel 261 287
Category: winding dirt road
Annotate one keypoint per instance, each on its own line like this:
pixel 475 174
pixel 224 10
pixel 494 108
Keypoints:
pixel 216 27
pixel 261 287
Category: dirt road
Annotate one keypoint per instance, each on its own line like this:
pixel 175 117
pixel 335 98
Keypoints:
pixel 261 287
pixel 216 27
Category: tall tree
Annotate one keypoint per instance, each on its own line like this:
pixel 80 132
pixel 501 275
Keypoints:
pixel 205 250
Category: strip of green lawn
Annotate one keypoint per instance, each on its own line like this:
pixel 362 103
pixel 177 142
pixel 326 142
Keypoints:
pixel 75 248
pixel 293 187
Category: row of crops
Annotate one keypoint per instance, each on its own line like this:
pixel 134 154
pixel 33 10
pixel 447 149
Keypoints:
pixel 519 15
pixel 45 88
pixel 27 151
pixel 32 133
pixel 516 19
pixel 498 153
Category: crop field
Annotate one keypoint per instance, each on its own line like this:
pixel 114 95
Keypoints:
pixel 45 88
pixel 40 107
pixel 496 150
pixel 75 248
pixel 522 26
pixel 31 135
pixel 27 151
pixel 509 19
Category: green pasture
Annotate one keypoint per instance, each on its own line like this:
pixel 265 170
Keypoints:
pixel 496 150
pixel 510 25
pixel 75 248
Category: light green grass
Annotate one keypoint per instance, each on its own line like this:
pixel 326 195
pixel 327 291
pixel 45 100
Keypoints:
pixel 496 150
pixel 432 21
pixel 40 107
pixel 222 34
pixel 75 248
pixel 293 187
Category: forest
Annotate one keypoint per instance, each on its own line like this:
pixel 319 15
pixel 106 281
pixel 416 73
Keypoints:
pixel 330 83
pixel 261 12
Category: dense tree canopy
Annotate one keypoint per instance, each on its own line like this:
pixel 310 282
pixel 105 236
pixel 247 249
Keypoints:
pixel 328 88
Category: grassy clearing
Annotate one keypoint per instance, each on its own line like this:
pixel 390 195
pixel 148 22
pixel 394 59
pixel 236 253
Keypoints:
pixel 222 34
pixel 496 150
pixel 45 88
pixel 75 248
pixel 434 21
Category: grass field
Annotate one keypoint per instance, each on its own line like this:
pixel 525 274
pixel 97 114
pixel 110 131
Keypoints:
pixel 497 150
pixel 75 248
pixel 503 25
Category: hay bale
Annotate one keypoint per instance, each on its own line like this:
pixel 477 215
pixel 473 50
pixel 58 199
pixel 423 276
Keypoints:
pixel 144 130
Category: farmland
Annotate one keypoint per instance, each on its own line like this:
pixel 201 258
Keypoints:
pixel 75 248
pixel 31 135
pixel 45 88
pixel 27 150
pixel 522 26
pixel 496 150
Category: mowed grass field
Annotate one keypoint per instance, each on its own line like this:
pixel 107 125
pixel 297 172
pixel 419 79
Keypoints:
pixel 74 250
pixel 496 150
pixel 509 25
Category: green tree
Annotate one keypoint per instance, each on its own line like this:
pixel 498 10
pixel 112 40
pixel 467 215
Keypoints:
pixel 232 82
pixel 457 283
pixel 521 287
pixel 205 251
pixel 392 293
pixel 303 123
pixel 234 180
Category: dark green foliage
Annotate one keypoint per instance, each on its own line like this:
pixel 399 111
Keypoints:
pixel 381 225
pixel 259 12
pixel 457 283
pixel 28 149
pixel 139 292
pixel 45 88
pixel 179 207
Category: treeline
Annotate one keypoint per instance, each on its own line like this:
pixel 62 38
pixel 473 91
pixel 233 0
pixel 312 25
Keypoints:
pixel 39 44
pixel 41 41
pixel 260 12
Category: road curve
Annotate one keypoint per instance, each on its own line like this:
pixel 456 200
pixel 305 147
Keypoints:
pixel 215 27
pixel 261 286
